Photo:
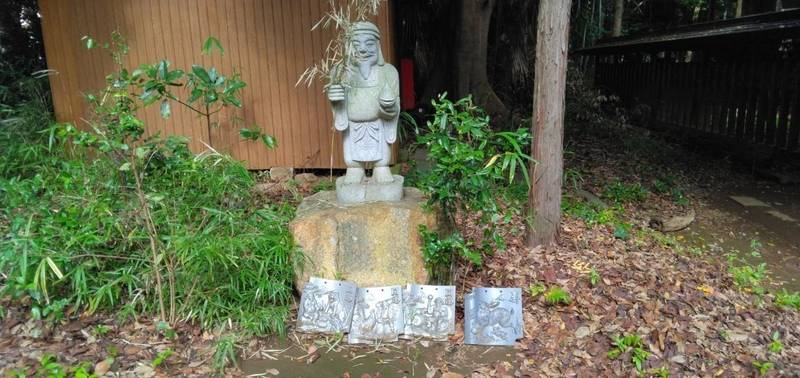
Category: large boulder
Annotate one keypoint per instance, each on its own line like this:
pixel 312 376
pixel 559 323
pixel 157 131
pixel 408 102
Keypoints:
pixel 372 244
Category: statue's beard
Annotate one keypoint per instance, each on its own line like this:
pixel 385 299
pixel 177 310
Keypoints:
pixel 365 67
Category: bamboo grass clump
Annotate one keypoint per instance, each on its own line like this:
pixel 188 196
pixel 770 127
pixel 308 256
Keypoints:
pixel 339 53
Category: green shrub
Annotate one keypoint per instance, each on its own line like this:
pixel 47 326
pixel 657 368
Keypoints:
pixel 108 220
pixel 438 253
pixel 787 299
pixel 473 170
pixel 471 165
pixel 619 192
pixel 631 342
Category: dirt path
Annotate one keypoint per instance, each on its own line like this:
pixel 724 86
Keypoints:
pixel 763 216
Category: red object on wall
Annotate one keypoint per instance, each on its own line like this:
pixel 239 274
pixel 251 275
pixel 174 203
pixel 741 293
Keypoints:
pixel 408 99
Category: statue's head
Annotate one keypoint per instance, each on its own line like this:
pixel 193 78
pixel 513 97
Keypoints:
pixel 366 43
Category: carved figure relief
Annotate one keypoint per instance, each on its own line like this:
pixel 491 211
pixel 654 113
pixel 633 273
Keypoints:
pixel 378 315
pixel 429 311
pixel 493 316
pixel 326 306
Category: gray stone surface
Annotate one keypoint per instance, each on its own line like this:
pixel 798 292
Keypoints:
pixel 369 190
pixel 372 244
pixel 280 173
pixel 749 201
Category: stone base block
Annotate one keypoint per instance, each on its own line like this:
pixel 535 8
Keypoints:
pixel 372 244
pixel 369 191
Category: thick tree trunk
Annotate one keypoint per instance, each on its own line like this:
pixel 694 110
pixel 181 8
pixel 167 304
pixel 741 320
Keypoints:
pixel 547 122
pixel 472 46
pixel 619 8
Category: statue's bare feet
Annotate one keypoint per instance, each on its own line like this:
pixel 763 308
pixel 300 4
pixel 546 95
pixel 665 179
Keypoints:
pixel 354 175
pixel 382 175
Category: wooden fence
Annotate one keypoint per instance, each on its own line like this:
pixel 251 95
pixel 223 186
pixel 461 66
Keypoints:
pixel 736 82
pixel 268 42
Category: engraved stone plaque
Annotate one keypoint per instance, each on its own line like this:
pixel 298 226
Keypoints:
pixel 377 315
pixel 326 306
pixel 493 316
pixel 429 311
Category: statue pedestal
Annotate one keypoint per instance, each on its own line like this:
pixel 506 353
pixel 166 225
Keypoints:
pixel 372 244
pixel 369 191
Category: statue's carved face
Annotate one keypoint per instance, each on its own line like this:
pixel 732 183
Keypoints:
pixel 366 47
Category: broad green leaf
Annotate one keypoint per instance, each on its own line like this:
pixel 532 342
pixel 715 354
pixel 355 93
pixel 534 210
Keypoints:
pixel 163 67
pixel 210 44
pixel 246 133
pixel 125 167
pixel 201 73
pixel 165 108
pixel 269 141
pixel 90 42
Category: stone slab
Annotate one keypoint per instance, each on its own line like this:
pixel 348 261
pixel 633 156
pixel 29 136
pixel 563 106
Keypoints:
pixel 369 190
pixel 371 244
pixel 782 216
pixel 747 201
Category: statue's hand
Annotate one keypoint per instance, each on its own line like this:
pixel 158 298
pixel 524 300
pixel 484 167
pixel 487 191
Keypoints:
pixel 388 107
pixel 336 93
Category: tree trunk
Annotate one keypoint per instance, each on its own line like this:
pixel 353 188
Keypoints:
pixel 739 8
pixel 547 122
pixel 619 8
pixel 471 54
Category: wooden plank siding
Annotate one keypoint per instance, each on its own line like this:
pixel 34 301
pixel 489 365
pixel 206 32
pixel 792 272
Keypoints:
pixel 268 42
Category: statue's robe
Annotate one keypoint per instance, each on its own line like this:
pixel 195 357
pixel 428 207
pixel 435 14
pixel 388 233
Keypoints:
pixel 368 131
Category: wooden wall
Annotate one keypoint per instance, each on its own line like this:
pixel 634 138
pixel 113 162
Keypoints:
pixel 268 41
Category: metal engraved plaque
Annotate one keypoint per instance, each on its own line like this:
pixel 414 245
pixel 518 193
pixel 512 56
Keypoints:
pixel 377 315
pixel 429 311
pixel 326 306
pixel 493 316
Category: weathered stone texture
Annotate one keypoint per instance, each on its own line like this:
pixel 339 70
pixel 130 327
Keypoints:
pixel 372 244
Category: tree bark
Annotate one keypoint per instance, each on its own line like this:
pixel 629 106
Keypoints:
pixel 471 56
pixel 547 122
pixel 619 8
pixel 739 7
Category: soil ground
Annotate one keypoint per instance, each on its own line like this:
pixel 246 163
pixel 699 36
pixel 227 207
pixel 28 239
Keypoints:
pixel 674 290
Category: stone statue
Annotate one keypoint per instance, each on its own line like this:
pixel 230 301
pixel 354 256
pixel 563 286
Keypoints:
pixel 366 108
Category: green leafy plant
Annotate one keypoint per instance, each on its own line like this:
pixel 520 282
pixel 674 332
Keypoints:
pixel 49 367
pixel 662 372
pixel 763 367
pixel 748 277
pixel 439 253
pixel 473 168
pixel 101 330
pixel 786 299
pixel 225 352
pixel 323 185
pixel 668 185
pixel 82 370
pixel 622 230
pixel 161 357
pixel 556 295
pixel 590 213
pixel 776 346
pixel 470 162
pixel 619 192
pixel 632 343
pixel 536 289
pixel 209 91
pixel 166 330
pixel 104 218
pixel 594 277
